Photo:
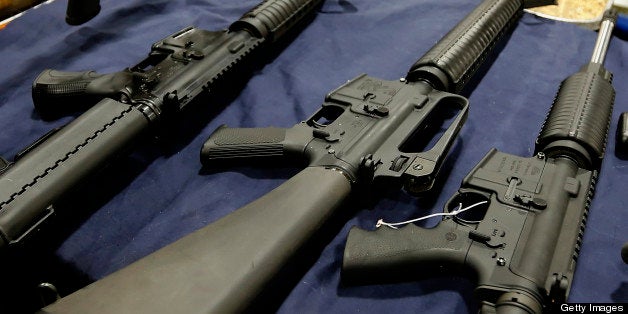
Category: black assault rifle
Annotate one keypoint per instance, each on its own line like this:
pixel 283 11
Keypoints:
pixel 364 133
pixel 527 215
pixel 130 104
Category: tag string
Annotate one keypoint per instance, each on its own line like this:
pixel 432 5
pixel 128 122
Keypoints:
pixel 381 222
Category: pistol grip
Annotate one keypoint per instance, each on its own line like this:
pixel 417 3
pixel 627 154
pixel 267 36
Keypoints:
pixel 388 255
pixel 241 145
pixel 52 87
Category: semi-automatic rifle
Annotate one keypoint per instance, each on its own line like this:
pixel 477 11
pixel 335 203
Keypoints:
pixel 129 106
pixel 527 217
pixel 365 133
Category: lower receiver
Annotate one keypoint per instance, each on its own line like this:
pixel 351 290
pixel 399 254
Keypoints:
pixel 523 250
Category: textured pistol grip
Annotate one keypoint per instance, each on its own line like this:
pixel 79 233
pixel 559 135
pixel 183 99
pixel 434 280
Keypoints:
pixel 272 18
pixel 56 92
pixel 224 266
pixel 460 53
pixel 233 145
pixel 401 254
pixel 578 122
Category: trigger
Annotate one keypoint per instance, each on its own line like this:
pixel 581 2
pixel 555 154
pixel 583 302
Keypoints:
pixel 485 239
pixel 324 135
pixel 398 163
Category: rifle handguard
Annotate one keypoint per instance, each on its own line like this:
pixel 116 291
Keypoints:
pixel 76 90
pixel 454 59
pixel 578 121
pixel 388 255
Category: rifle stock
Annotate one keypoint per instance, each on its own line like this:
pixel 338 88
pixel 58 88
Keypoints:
pixel 82 147
pixel 133 102
pixel 220 268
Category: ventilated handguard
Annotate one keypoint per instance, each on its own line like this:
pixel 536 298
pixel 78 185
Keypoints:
pixel 373 129
pixel 236 146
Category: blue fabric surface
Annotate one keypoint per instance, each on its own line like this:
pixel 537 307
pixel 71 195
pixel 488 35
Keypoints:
pixel 159 194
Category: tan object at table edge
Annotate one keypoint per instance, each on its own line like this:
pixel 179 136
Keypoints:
pixel 587 13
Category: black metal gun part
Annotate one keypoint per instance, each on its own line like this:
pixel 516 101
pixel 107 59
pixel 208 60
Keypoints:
pixel 523 248
pixel 357 137
pixel 130 105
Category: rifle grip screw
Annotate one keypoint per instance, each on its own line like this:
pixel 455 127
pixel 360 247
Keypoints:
pixel 417 167
pixel 501 261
